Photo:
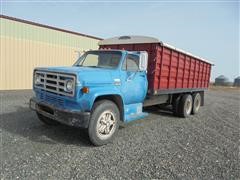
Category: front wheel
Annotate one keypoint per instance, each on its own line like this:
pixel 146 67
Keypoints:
pixel 104 122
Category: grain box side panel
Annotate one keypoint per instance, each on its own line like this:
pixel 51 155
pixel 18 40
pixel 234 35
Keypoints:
pixel 186 71
pixel 165 69
pixel 170 69
pixel 208 75
pixel 173 70
pixel 180 73
pixel 157 66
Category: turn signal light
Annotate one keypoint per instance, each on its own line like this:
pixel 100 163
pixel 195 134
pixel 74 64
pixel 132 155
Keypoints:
pixel 85 90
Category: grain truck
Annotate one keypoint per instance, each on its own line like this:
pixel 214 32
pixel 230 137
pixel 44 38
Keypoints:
pixel 112 84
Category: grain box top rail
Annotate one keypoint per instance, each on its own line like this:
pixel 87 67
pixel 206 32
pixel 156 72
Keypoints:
pixel 144 40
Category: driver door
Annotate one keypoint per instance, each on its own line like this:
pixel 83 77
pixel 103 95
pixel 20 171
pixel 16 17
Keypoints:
pixel 134 82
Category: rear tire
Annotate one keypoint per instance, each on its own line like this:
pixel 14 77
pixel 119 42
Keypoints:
pixel 104 122
pixel 196 103
pixel 175 105
pixel 185 105
pixel 47 120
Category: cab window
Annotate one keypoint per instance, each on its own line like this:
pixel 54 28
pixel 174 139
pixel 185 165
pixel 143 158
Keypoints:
pixel 91 61
pixel 100 59
pixel 131 63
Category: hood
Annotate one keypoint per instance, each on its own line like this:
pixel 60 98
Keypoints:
pixel 87 76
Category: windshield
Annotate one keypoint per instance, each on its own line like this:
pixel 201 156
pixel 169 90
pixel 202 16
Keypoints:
pixel 100 59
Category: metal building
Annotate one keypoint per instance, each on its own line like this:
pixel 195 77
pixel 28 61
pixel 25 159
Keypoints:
pixel 25 45
pixel 222 81
pixel 237 81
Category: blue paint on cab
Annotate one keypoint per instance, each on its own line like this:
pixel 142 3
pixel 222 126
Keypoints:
pixel 129 85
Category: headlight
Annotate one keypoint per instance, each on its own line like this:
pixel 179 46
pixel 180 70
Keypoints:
pixel 37 79
pixel 69 85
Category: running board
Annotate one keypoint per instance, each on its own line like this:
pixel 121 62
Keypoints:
pixel 133 112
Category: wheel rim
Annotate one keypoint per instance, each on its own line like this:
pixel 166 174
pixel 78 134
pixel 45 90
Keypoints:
pixel 188 106
pixel 106 125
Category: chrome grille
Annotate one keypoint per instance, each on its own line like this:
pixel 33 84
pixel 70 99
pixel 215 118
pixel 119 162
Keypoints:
pixel 55 82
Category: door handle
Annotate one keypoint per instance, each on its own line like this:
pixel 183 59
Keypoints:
pixel 131 77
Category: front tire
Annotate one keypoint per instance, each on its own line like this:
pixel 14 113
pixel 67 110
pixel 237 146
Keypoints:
pixel 185 106
pixel 47 120
pixel 104 122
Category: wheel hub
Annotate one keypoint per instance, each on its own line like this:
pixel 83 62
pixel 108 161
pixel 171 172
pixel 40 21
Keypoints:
pixel 106 125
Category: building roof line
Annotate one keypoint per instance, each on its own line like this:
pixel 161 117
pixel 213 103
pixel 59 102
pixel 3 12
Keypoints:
pixel 47 26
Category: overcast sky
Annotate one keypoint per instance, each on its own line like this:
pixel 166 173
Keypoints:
pixel 207 29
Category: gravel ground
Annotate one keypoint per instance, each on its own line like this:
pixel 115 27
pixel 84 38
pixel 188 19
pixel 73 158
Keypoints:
pixel 205 146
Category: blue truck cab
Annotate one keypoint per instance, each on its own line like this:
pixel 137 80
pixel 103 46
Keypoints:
pixel 101 89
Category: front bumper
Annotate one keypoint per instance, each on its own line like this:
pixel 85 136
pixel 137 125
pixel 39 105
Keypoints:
pixel 71 118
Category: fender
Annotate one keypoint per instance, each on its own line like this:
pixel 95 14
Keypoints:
pixel 87 100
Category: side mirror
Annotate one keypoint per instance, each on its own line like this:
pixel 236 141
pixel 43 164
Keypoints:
pixel 143 62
